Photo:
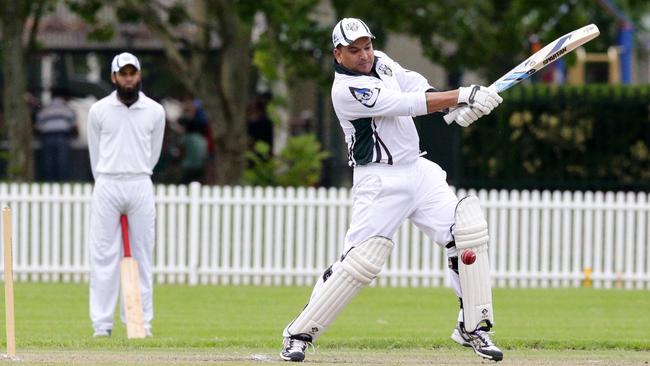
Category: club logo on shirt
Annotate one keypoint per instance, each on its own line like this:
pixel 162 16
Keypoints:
pixel 367 97
pixel 384 69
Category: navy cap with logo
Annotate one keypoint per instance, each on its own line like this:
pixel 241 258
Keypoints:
pixel 349 30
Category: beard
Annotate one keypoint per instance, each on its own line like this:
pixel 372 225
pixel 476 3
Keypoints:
pixel 128 96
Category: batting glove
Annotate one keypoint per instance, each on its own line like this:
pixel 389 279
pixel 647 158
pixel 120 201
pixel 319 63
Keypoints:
pixel 464 115
pixel 479 97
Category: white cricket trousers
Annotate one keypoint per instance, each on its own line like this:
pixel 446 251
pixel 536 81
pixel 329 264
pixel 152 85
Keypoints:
pixel 132 196
pixel 386 195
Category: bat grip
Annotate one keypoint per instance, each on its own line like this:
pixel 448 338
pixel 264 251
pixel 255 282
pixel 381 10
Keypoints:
pixel 124 222
pixel 451 116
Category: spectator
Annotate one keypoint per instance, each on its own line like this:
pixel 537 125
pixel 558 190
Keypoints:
pixel 194 143
pixel 260 126
pixel 56 126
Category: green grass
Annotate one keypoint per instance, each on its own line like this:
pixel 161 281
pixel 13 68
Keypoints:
pixel 55 316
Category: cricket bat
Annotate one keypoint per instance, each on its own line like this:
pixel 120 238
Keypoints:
pixel 130 279
pixel 9 284
pixel 540 59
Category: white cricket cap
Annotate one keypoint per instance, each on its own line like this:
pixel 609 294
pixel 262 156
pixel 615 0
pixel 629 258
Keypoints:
pixel 124 59
pixel 348 30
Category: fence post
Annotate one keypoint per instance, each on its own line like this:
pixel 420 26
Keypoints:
pixel 193 250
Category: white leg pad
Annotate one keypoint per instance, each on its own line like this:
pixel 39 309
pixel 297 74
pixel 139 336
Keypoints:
pixel 359 267
pixel 471 233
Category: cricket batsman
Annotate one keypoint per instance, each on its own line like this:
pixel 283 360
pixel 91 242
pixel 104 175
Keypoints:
pixel 375 100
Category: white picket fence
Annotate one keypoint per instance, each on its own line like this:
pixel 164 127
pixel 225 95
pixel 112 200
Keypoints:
pixel 286 236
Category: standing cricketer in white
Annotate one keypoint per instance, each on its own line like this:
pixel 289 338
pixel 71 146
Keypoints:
pixel 375 99
pixel 125 135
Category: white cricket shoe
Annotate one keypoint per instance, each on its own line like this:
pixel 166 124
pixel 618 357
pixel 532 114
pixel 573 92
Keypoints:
pixel 293 349
pixel 480 341
pixel 102 333
pixel 148 333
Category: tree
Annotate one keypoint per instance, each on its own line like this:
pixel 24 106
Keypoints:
pixel 14 16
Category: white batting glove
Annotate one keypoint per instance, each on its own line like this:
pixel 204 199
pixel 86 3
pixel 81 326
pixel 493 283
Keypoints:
pixel 479 97
pixel 464 115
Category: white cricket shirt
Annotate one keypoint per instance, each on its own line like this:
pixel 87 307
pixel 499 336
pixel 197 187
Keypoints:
pixel 376 112
pixel 125 140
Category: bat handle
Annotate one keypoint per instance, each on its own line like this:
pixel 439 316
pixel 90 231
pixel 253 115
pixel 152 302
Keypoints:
pixel 124 222
pixel 493 87
pixel 451 116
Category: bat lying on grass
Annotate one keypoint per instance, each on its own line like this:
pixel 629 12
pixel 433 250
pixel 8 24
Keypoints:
pixel 540 59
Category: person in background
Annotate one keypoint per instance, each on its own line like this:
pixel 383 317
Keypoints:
pixel 193 143
pixel 125 135
pixel 260 126
pixel 56 126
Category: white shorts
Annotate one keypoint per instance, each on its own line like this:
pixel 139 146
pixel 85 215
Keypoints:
pixel 385 195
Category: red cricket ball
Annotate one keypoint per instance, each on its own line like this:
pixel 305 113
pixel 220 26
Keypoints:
pixel 468 257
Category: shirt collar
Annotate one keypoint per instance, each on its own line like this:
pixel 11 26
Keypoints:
pixel 344 70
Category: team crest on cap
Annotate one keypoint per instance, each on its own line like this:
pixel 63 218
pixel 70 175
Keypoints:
pixel 366 96
pixel 352 26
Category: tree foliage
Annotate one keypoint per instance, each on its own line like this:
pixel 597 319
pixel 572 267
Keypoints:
pixel 294 39
pixel 587 137
pixel 299 164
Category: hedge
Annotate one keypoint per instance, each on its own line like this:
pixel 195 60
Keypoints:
pixel 561 137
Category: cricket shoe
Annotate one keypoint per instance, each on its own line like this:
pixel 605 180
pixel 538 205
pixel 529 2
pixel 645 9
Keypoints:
pixel 293 349
pixel 102 333
pixel 479 340
pixel 148 333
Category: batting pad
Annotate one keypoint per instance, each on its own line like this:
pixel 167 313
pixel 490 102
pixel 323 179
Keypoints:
pixel 471 233
pixel 359 267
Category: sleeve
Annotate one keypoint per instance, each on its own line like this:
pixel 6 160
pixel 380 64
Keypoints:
pixel 93 130
pixel 373 100
pixel 157 136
